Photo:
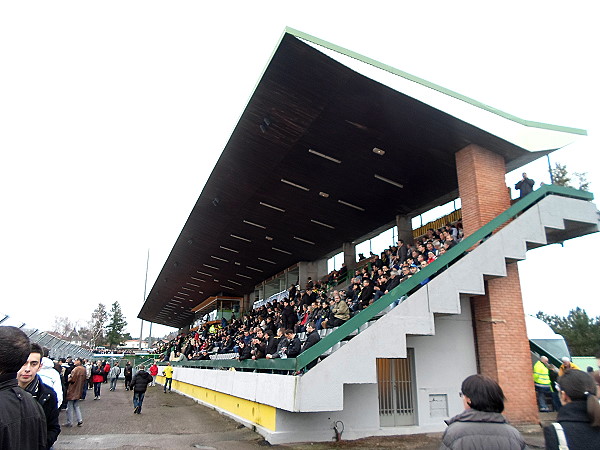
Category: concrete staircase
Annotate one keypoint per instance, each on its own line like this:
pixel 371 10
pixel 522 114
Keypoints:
pixel 553 219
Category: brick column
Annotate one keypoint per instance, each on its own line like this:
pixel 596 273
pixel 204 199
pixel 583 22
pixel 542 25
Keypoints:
pixel 498 316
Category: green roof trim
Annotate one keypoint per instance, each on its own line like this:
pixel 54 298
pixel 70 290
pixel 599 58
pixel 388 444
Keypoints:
pixel 436 87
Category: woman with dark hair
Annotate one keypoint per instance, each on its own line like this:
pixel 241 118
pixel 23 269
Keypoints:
pixel 481 425
pixel 579 417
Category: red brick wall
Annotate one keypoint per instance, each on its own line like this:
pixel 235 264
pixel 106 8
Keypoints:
pixel 481 185
pixel 499 320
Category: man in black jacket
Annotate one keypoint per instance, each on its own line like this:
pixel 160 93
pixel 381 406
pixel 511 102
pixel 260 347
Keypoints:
pixel 311 339
pixel 28 379
pixel 22 421
pixel 128 372
pixel 138 385
pixel 293 344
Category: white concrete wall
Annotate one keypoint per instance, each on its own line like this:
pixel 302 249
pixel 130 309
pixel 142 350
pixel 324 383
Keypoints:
pixel 442 362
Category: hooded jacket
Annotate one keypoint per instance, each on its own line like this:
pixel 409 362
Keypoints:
pixel 50 377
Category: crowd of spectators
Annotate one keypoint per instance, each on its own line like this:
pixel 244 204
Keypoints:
pixel 271 330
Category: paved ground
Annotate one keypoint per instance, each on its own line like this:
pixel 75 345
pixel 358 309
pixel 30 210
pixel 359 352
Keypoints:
pixel 171 421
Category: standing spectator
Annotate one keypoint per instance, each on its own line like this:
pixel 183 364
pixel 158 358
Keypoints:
pixel 579 417
pixel 22 421
pixel 105 370
pixel 113 376
pixel 525 186
pixel 50 376
pixel 29 380
pixel 153 372
pixel 168 374
pixel 88 375
pixel 97 378
pixel 128 374
pixel 138 385
pixel 76 381
pixel 541 381
pixel 481 425
pixel 566 366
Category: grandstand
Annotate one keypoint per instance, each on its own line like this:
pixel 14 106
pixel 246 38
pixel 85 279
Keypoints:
pixel 329 152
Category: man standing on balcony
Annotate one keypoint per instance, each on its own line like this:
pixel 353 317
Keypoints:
pixel 525 185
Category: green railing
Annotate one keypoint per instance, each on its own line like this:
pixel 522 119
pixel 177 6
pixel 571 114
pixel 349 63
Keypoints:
pixel 540 351
pixel 404 289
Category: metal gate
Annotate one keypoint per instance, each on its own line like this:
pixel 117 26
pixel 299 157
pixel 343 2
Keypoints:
pixel 396 391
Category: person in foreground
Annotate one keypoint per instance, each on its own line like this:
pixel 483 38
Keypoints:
pixel 481 425
pixel 579 417
pixel 22 419
pixel 29 380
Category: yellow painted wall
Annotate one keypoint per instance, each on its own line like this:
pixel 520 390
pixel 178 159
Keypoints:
pixel 256 413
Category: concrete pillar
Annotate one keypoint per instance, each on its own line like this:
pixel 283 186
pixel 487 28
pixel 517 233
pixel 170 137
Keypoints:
pixel 314 269
pixel 405 230
pixel 246 304
pixel 349 249
pixel 499 319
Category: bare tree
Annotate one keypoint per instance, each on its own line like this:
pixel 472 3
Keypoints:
pixel 62 325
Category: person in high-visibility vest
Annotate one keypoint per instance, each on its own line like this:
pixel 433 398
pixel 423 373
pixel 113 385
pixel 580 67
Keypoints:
pixel 541 379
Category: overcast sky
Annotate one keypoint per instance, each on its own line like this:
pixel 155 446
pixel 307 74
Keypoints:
pixel 113 114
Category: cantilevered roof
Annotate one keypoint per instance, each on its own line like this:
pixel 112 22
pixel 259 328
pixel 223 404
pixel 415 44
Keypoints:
pixel 329 148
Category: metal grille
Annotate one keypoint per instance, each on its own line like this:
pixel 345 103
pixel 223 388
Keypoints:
pixel 396 398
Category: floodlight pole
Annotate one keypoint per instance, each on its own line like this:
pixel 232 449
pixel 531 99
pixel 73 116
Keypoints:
pixel 144 299
pixel 550 169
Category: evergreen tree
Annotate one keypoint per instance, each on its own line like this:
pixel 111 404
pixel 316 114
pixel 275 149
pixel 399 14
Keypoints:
pixel 581 332
pixel 116 326
pixel 561 177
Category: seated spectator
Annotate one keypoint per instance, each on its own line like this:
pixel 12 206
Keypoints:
pixel 258 345
pixel 293 344
pixel 338 313
pixel 311 339
pixel 281 345
pixel 243 351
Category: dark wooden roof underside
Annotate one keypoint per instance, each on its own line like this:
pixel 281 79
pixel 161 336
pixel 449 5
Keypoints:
pixel 310 101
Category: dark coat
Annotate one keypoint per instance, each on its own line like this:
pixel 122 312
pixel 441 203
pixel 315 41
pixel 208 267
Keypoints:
pixel 392 283
pixel 366 295
pixel 140 382
pixel 244 353
pixel 485 430
pixel 46 397
pixel 525 186
pixel 311 340
pixel 293 347
pixel 22 420
pixel 576 425
pixel 272 345
pixel 289 316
